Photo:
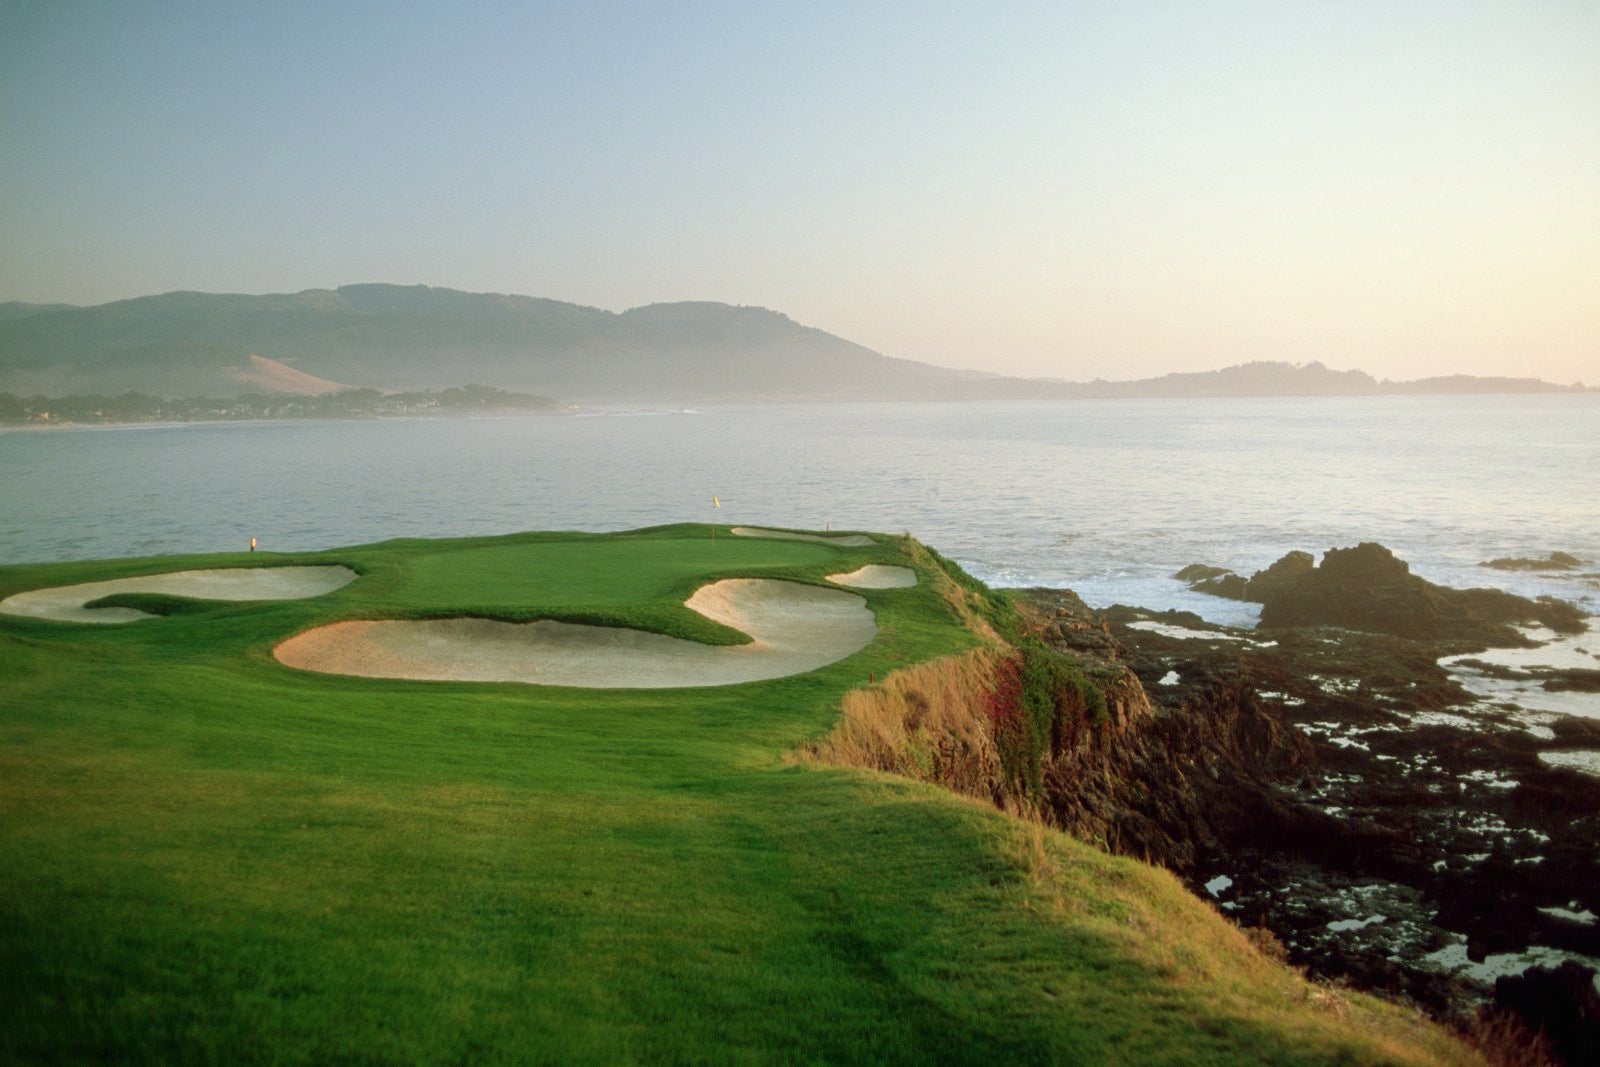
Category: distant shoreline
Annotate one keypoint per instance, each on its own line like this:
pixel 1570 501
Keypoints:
pixel 11 425
pixel 53 426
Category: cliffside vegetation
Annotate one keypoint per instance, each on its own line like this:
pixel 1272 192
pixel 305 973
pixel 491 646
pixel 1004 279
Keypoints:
pixel 986 723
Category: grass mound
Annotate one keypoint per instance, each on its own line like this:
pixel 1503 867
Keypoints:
pixel 207 856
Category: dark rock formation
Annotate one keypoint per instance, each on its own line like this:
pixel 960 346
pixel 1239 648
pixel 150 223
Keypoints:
pixel 1228 585
pixel 1369 812
pixel 1291 568
pixel 1177 787
pixel 1573 681
pixel 1559 1002
pixel 1556 561
pixel 1200 572
pixel 1367 588
pixel 1219 581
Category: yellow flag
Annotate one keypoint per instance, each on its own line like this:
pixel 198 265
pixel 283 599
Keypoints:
pixel 717 502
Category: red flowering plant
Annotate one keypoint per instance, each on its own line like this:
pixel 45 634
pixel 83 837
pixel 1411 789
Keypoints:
pixel 1005 698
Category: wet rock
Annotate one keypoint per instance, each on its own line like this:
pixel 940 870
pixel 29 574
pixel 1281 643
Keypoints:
pixel 1230 586
pixel 1556 561
pixel 1579 681
pixel 1291 567
pixel 1368 588
pixel 1337 774
pixel 1219 581
pixel 1576 732
pixel 1199 572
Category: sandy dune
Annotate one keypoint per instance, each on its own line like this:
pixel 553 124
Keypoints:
pixel 277 377
pixel 795 627
pixel 843 540
pixel 877 576
pixel 66 602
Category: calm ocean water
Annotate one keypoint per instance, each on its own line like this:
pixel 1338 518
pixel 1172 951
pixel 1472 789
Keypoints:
pixel 1105 497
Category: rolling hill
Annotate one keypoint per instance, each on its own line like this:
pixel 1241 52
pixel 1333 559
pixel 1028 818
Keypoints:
pixel 393 337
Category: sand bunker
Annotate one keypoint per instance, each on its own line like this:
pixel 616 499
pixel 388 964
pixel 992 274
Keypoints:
pixel 66 602
pixel 877 576
pixel 843 540
pixel 795 627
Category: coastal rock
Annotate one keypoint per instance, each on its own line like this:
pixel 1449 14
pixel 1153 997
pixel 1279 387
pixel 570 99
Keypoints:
pixel 1178 787
pixel 1572 681
pixel 1063 621
pixel 1200 572
pixel 1219 581
pixel 1330 780
pixel 1231 586
pixel 1559 1002
pixel 1368 588
pixel 1289 569
pixel 1383 823
pixel 1556 561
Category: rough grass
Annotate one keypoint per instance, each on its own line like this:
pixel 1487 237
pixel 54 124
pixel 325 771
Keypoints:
pixel 927 721
pixel 207 857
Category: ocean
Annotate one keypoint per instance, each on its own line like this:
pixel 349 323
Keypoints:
pixel 1108 498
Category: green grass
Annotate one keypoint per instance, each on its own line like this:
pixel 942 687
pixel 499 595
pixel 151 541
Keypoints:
pixel 207 857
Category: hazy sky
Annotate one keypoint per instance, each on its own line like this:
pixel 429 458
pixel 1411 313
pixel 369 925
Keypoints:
pixel 1105 189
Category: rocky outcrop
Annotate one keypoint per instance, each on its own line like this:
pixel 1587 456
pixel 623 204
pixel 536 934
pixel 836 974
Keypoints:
pixel 1384 832
pixel 1367 588
pixel 1425 838
pixel 1182 783
pixel 1219 581
pixel 1175 785
pixel 1559 1002
pixel 1291 568
pixel 1555 561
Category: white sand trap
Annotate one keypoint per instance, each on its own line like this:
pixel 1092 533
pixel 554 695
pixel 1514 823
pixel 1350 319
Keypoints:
pixel 796 628
pixel 66 602
pixel 843 540
pixel 877 576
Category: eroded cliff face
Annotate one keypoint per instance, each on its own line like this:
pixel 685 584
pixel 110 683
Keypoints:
pixel 1178 785
pixel 1323 772
pixel 1090 753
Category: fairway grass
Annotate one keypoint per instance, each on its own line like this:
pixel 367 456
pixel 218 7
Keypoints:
pixel 208 857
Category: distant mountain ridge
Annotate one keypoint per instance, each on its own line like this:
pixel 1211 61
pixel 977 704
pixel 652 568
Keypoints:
pixel 1264 378
pixel 394 337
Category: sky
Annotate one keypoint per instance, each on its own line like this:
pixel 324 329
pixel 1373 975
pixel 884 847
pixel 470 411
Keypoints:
pixel 1114 189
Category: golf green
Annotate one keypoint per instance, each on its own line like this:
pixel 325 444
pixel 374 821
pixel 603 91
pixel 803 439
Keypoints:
pixel 206 856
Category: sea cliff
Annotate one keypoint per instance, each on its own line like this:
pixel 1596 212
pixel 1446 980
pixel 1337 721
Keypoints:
pixel 1308 781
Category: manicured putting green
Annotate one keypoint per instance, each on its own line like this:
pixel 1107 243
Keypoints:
pixel 592 573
